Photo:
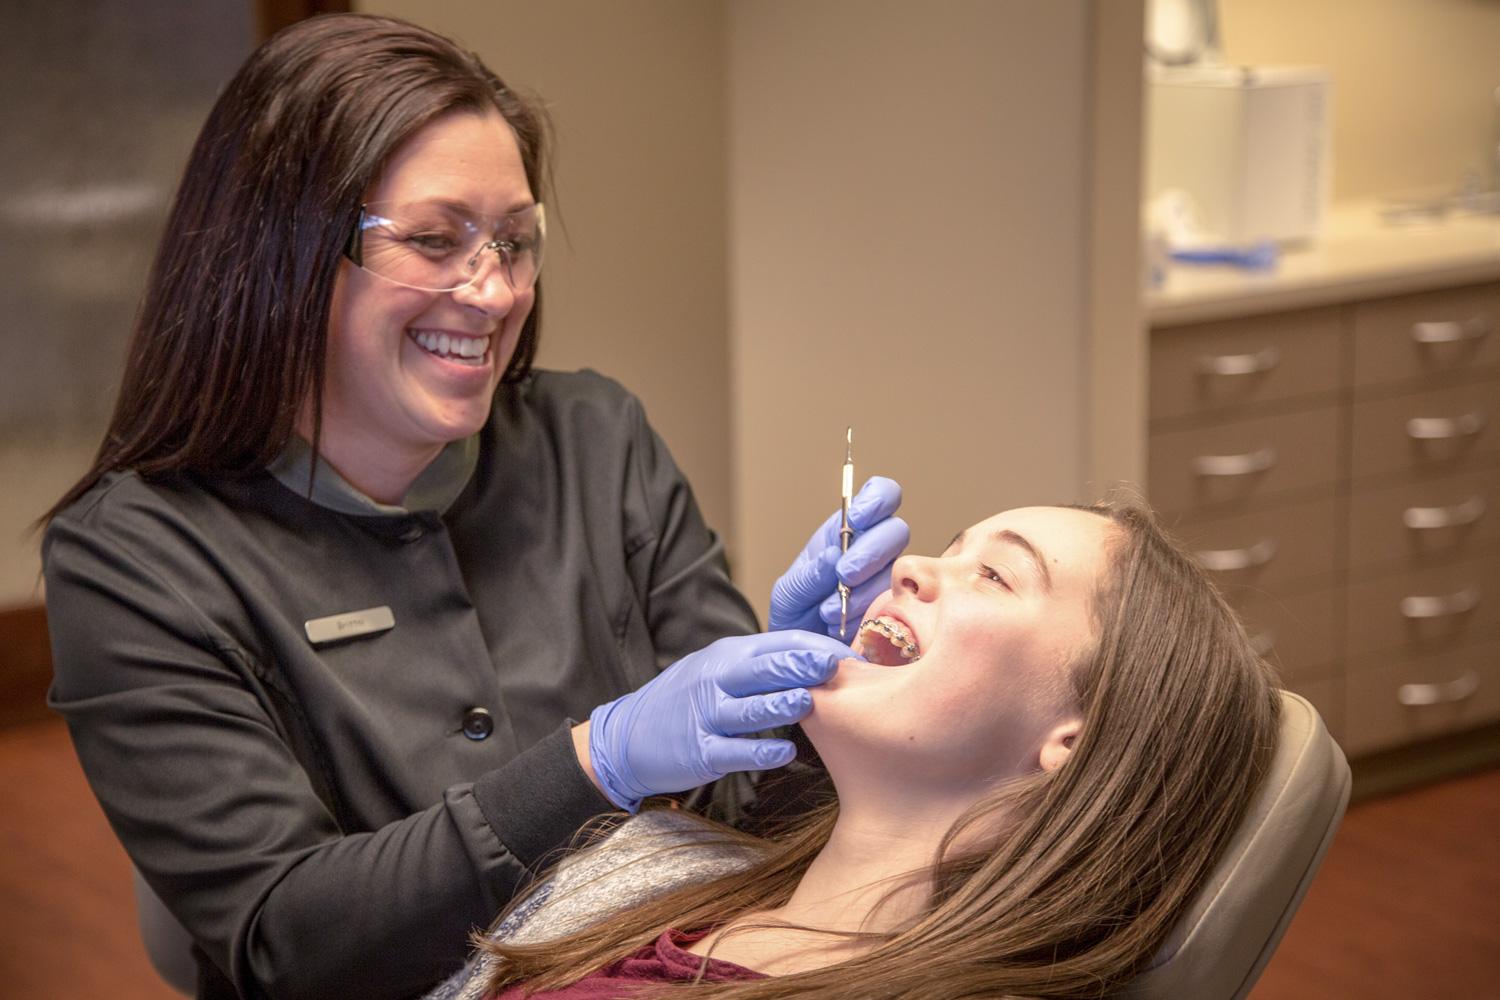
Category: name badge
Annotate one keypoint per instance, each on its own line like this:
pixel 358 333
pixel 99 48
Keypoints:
pixel 349 624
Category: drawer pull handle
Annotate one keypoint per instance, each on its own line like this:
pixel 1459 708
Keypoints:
pixel 1442 606
pixel 1460 689
pixel 1457 516
pixel 1444 428
pixel 1451 332
pixel 1239 364
pixel 1235 465
pixel 1262 643
pixel 1230 560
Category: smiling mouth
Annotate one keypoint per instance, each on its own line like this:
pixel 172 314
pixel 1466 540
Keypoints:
pixel 887 642
pixel 471 351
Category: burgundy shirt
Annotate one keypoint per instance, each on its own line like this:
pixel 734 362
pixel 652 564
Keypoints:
pixel 664 961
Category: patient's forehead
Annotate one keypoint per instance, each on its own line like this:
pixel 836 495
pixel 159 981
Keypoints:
pixel 1072 544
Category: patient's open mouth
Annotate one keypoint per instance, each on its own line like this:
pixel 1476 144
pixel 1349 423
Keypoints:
pixel 887 642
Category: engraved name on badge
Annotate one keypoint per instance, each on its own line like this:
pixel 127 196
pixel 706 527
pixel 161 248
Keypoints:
pixel 349 624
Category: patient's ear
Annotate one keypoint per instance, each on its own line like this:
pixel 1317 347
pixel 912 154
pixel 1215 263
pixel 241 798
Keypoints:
pixel 1058 746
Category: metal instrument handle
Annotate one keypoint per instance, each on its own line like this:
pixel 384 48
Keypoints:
pixel 1447 693
pixel 1457 516
pixel 1235 465
pixel 1451 331
pixel 1230 560
pixel 1239 364
pixel 1445 428
pixel 1442 606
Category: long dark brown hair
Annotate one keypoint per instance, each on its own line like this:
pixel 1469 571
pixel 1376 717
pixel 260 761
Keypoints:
pixel 230 340
pixel 1082 871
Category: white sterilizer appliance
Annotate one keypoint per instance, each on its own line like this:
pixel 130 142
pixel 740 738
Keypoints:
pixel 1248 144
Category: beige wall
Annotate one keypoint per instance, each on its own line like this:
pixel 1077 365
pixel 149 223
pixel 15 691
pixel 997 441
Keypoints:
pixel 908 192
pixel 1414 83
pixel 635 279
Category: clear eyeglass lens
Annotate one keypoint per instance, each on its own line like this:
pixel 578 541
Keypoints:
pixel 437 247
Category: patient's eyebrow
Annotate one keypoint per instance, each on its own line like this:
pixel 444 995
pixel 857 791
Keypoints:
pixel 1006 535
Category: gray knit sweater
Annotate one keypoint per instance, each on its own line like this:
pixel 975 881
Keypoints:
pixel 648 856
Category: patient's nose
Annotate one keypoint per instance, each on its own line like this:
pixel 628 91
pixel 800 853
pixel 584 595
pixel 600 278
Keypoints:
pixel 915 575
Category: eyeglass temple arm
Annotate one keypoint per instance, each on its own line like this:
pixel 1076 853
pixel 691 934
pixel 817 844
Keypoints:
pixel 354 251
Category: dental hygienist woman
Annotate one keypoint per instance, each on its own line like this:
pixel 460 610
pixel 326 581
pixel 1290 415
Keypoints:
pixel 346 567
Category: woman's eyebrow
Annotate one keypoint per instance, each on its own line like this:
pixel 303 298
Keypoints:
pixel 1037 561
pixel 459 207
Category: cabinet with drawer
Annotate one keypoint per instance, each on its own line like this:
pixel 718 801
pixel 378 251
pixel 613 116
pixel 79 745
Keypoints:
pixel 1337 470
pixel 1391 703
pixel 1427 431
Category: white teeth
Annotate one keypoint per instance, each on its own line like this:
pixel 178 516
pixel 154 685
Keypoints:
pixel 452 346
pixel 896 633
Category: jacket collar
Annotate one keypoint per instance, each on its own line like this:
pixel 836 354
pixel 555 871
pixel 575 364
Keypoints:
pixel 435 489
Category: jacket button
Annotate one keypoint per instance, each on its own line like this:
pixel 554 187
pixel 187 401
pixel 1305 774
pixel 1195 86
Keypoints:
pixel 411 532
pixel 478 723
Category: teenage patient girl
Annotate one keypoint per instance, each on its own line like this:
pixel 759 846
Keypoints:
pixel 1059 728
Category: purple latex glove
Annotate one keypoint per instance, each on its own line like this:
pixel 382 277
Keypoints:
pixel 806 596
pixel 687 725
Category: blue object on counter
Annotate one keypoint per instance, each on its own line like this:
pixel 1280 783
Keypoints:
pixel 1261 256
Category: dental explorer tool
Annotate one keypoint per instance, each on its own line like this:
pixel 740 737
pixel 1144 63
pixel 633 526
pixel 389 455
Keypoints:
pixel 845 531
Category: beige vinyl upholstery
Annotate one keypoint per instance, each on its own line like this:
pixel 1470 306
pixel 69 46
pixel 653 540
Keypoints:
pixel 1219 948
pixel 1223 942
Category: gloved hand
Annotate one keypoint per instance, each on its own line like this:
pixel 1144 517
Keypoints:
pixel 679 730
pixel 806 595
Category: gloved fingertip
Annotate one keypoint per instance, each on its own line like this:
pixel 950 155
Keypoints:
pixel 849 567
pixel 791 707
pixel 877 499
pixel 774 753
pixel 819 668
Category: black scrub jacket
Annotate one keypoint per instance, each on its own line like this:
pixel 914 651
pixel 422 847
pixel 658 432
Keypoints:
pixel 334 819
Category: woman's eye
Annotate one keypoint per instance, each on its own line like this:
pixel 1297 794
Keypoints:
pixel 433 243
pixel 989 573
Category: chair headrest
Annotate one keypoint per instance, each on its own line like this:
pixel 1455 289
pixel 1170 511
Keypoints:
pixel 1223 941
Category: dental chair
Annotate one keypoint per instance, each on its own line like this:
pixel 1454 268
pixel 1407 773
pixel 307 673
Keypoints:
pixel 1221 945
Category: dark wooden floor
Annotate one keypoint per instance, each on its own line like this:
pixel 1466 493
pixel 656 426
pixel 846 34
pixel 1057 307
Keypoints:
pixel 1407 905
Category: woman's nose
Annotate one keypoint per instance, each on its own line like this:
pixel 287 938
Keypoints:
pixel 915 575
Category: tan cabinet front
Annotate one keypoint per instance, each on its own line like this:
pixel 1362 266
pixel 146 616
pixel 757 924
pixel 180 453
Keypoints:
pixel 1415 610
pixel 1393 703
pixel 1425 520
pixel 1202 369
pixel 1243 461
pixel 1299 635
pixel 1433 431
pixel 1266 549
pixel 1429 334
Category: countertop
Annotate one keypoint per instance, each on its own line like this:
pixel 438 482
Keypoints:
pixel 1358 256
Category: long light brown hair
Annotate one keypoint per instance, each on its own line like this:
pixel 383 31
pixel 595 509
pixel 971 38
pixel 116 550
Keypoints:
pixel 231 337
pixel 1091 865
